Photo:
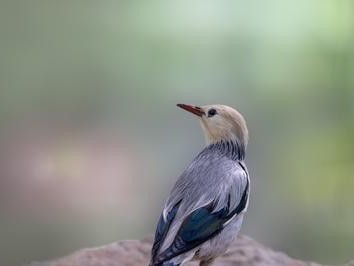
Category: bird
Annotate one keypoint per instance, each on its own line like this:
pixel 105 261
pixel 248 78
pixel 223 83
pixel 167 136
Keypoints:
pixel 204 210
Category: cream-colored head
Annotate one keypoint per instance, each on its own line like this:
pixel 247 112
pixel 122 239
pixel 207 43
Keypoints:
pixel 220 123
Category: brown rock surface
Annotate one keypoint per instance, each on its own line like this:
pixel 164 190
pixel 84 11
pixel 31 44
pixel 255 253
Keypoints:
pixel 245 252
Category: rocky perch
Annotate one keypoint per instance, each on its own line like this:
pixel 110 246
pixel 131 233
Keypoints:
pixel 244 252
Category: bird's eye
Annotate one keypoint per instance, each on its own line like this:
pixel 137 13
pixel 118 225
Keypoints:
pixel 211 112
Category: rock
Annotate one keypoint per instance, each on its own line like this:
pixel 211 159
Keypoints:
pixel 244 252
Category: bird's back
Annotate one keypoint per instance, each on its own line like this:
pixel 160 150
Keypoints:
pixel 215 181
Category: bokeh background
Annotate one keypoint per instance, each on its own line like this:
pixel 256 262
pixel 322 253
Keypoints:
pixel 91 140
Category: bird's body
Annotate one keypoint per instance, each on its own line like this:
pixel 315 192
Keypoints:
pixel 205 208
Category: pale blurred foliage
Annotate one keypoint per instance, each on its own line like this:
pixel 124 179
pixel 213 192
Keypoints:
pixel 91 141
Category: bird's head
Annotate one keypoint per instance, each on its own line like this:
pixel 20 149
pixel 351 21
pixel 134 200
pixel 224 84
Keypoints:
pixel 220 123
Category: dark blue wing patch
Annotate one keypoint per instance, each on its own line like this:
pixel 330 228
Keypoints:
pixel 162 229
pixel 201 223
pixel 200 226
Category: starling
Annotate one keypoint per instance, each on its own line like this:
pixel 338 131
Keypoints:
pixel 204 210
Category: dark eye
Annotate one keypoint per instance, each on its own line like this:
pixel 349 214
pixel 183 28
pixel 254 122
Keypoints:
pixel 211 112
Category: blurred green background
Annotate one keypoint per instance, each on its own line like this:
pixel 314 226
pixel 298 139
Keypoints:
pixel 91 140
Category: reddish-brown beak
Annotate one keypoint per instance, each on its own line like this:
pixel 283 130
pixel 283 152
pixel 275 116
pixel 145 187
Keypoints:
pixel 192 108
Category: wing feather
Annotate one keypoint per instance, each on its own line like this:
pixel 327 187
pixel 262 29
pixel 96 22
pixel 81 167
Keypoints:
pixel 201 225
pixel 162 229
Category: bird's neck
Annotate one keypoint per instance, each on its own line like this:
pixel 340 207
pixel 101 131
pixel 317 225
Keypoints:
pixel 233 149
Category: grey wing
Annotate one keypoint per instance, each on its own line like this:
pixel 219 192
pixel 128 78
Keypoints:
pixel 239 189
pixel 203 211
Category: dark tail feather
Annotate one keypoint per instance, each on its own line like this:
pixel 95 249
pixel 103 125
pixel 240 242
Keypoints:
pixel 164 264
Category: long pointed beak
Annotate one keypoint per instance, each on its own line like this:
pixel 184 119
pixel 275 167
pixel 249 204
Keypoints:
pixel 192 108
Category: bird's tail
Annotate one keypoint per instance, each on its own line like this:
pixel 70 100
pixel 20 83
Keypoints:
pixel 167 263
